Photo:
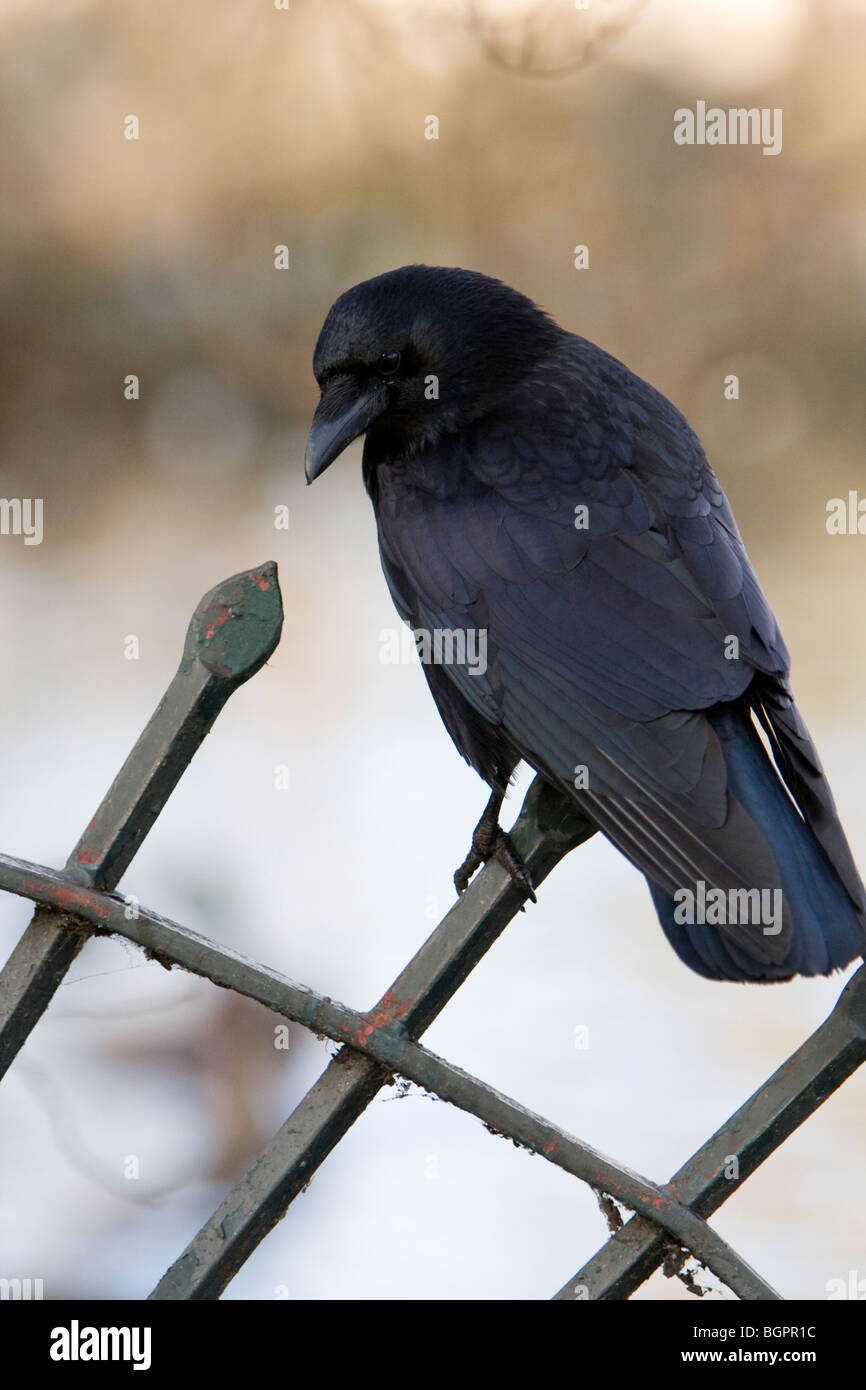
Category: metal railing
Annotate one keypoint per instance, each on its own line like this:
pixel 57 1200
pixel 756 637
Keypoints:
pixel 232 633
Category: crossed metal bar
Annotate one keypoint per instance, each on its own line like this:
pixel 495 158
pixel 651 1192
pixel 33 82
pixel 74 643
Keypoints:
pixel 233 631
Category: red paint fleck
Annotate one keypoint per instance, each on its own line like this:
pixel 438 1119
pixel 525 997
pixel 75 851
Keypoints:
pixel 261 583
pixel 217 622
pixel 551 1147
pixel 79 897
pixel 88 856
pixel 391 1011
pixel 380 1019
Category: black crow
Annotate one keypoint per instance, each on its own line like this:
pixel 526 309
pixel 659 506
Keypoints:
pixel 550 523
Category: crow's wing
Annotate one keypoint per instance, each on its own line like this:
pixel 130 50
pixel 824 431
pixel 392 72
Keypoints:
pixel 609 631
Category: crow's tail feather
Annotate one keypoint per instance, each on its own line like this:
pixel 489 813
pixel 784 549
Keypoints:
pixel 822 889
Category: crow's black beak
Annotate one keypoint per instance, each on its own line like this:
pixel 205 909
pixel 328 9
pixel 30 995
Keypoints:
pixel 344 411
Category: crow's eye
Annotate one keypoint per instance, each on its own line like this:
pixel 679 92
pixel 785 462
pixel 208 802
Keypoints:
pixel 388 364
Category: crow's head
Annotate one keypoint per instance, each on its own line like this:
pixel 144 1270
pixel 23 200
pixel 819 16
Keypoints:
pixel 416 353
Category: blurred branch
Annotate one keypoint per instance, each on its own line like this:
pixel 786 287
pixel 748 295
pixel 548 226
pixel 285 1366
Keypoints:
pixel 532 46
pixel 59 1112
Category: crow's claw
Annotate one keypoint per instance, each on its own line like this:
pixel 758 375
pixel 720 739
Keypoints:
pixel 492 842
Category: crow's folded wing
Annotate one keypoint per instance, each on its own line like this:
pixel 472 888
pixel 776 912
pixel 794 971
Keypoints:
pixel 606 638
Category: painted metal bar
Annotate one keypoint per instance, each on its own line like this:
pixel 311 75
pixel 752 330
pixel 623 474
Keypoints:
pixel 546 829
pixel 233 631
pixel 790 1096
pixel 383 1038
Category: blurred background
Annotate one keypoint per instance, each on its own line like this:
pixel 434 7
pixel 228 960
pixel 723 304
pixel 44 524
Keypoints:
pixel 260 127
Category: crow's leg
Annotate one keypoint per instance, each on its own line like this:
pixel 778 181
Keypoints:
pixel 490 841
